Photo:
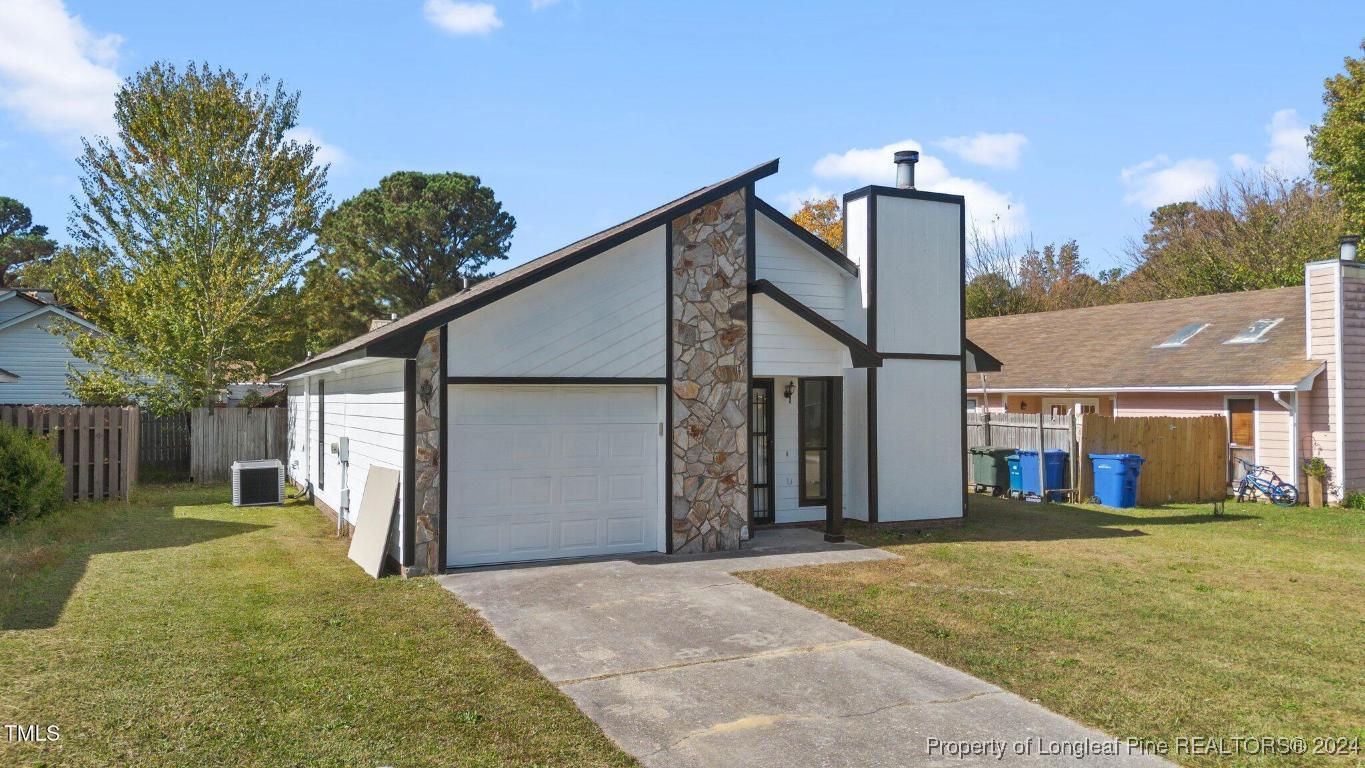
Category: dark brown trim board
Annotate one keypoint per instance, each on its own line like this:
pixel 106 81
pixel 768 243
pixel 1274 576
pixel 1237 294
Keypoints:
pixel 962 313
pixel 872 496
pixel 824 249
pixel 402 337
pixel 409 463
pixel 834 504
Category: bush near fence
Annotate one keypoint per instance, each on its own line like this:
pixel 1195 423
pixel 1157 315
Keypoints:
pixel 98 445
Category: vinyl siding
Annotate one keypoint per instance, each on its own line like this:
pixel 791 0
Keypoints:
pixel 786 436
pixel 801 271
pixel 1353 376
pixel 39 358
pixel 919 440
pixel 1320 414
pixel 919 276
pixel 785 344
pixel 605 317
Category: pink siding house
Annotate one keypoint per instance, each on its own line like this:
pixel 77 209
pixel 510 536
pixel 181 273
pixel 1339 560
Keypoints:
pixel 1285 365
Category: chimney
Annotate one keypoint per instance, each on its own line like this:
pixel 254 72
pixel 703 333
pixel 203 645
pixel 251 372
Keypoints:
pixel 905 168
pixel 1349 245
pixel 464 282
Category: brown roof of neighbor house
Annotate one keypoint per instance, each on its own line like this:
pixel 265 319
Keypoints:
pixel 396 339
pixel 1115 346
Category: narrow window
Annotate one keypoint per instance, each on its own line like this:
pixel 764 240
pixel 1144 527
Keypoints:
pixel 1254 332
pixel 322 434
pixel 813 429
pixel 1182 335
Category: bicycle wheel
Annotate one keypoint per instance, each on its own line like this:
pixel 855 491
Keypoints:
pixel 1285 495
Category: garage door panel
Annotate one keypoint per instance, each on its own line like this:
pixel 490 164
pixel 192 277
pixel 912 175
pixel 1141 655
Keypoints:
pixel 556 471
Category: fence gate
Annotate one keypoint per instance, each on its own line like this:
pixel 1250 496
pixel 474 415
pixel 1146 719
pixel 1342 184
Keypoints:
pixel 220 436
pixel 97 445
pixel 1186 459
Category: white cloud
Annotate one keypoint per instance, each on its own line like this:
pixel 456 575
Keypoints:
pixel 993 150
pixel 987 207
pixel 329 154
pixel 790 202
pixel 538 4
pixel 1160 180
pixel 462 18
pixel 55 74
pixel 1288 152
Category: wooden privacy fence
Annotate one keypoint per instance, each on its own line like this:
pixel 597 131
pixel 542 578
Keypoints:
pixel 1020 431
pixel 220 436
pixel 1185 459
pixel 98 445
pixel 164 442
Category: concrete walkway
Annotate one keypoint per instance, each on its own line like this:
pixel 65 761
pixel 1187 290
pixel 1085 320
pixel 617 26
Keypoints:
pixel 683 664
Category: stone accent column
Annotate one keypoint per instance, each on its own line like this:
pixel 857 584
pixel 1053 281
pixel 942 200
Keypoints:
pixel 709 467
pixel 427 485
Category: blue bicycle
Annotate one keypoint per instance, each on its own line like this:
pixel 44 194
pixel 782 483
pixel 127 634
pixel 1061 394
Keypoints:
pixel 1258 481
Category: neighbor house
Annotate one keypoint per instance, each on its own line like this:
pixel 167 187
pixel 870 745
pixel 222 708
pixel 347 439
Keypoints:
pixel 667 384
pixel 1267 360
pixel 34 360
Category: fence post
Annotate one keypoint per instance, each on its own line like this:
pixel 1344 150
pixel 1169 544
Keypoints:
pixel 986 427
pixel 1073 451
pixel 1042 470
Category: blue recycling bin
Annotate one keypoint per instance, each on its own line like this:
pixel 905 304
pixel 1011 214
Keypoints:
pixel 1116 478
pixel 1016 477
pixel 1054 470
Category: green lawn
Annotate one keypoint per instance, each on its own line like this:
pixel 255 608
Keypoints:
pixel 1148 623
pixel 180 631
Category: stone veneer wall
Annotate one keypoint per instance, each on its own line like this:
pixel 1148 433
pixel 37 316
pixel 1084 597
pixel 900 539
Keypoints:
pixel 427 485
pixel 709 467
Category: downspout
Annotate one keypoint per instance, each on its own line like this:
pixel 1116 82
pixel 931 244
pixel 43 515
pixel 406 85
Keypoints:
pixel 1293 433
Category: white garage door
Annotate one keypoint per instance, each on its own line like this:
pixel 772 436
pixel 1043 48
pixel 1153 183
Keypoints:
pixel 542 472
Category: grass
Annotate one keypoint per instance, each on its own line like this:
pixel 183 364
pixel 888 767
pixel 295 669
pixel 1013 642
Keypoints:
pixel 177 630
pixel 1149 623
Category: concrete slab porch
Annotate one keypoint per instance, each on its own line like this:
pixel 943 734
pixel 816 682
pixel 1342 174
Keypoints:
pixel 683 664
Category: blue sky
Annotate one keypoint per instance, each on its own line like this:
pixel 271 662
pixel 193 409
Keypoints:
pixel 1066 120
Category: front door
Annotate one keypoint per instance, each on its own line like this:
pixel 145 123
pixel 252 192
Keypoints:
pixel 1241 435
pixel 761 450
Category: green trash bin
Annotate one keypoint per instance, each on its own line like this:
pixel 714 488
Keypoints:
pixel 989 469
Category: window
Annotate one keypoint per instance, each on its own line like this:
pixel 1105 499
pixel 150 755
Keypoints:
pixel 971 405
pixel 1184 334
pixel 1254 332
pixel 813 429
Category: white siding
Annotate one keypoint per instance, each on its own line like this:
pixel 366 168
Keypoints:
pixel 785 344
pixel 604 317
pixel 919 276
pixel 299 412
pixel 919 440
pixel 855 444
pixel 364 404
pixel 786 496
pixel 39 358
pixel 801 271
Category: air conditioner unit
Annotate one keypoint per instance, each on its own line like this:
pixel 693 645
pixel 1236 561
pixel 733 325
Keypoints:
pixel 257 482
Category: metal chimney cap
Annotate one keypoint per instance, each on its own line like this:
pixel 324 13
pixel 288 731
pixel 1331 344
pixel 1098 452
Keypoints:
pixel 907 156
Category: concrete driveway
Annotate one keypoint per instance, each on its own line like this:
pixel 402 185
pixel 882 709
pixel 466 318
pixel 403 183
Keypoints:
pixel 683 664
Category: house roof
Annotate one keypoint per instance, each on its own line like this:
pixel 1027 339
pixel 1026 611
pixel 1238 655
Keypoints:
pixel 402 337
pixel 1115 346
pixel 860 353
pixel 7 378
pixel 40 307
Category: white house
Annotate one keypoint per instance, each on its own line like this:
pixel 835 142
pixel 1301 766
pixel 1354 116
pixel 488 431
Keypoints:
pixel 610 397
pixel 33 359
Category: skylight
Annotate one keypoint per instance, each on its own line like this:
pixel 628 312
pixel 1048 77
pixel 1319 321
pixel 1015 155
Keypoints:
pixel 1254 332
pixel 1184 334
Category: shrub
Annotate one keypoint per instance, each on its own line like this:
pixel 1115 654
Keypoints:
pixel 1315 467
pixel 31 478
pixel 1354 500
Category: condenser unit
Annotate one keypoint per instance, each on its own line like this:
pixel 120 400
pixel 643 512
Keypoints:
pixel 257 482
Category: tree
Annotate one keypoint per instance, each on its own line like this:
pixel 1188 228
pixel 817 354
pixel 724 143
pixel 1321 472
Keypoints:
pixel 824 219
pixel 410 242
pixel 22 243
pixel 1338 145
pixel 1252 232
pixel 1004 278
pixel 194 218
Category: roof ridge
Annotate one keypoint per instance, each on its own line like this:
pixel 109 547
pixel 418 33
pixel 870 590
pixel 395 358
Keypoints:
pixel 1144 303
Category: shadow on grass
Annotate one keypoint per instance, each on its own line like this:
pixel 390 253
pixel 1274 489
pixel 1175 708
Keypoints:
pixel 44 559
pixel 996 519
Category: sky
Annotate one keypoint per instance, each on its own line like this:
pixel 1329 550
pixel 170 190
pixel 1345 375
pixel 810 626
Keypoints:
pixel 1056 121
